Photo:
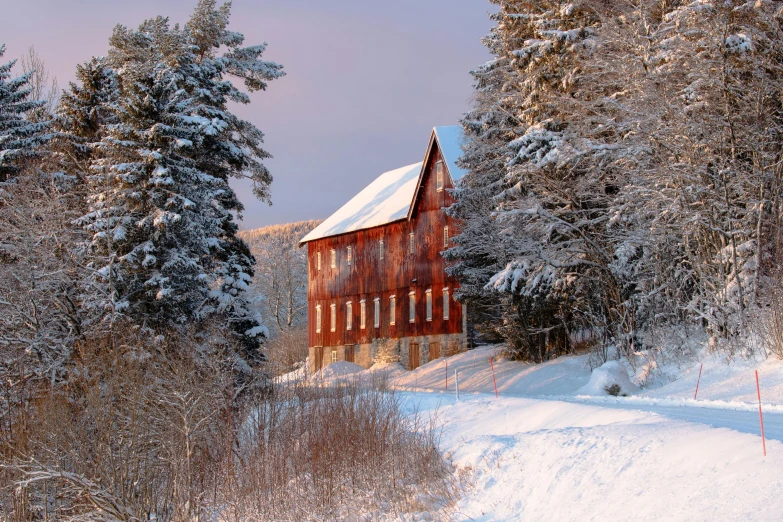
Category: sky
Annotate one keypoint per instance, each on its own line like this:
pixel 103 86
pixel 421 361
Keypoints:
pixel 366 80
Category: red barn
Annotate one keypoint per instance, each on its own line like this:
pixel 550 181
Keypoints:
pixel 376 272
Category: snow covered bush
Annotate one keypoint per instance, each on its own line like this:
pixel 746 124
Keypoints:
pixel 611 378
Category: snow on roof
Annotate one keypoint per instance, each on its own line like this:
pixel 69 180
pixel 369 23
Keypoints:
pixel 386 199
pixel 450 140
pixel 389 197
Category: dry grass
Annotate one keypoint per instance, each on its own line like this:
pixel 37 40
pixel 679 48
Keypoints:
pixel 145 428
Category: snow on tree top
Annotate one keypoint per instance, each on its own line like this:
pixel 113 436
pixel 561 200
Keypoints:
pixel 384 200
pixel 390 196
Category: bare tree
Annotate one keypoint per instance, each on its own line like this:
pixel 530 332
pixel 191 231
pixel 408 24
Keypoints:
pixel 42 84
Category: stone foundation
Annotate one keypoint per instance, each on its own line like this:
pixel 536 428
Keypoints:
pixel 365 354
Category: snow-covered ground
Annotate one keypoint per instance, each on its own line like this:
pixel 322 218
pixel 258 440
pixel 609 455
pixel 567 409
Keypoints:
pixel 546 450
pixel 531 459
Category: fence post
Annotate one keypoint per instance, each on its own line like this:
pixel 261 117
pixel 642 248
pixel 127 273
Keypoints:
pixel 697 382
pixel 761 417
pixel 494 382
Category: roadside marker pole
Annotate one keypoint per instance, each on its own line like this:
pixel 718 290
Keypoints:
pixel 698 381
pixel 494 382
pixel 761 417
pixel 456 383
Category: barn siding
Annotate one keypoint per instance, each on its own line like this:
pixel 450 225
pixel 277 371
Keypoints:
pixel 397 274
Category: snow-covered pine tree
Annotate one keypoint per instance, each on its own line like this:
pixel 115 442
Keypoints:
pixel 84 111
pixel 541 211
pixel 478 251
pixel 20 138
pixel 234 150
pixel 161 216
pixel 716 178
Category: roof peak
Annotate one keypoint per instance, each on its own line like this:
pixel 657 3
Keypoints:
pixel 391 195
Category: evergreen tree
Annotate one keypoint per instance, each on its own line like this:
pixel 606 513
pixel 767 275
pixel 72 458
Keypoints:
pixel 19 138
pixel 161 209
pixel 84 111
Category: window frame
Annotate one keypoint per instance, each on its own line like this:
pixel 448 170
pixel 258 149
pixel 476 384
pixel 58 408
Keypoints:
pixel 349 256
pixel 412 244
pixel 446 304
pixel 349 315
pixel 392 310
pixel 333 317
pixel 363 314
pixel 446 236
pixel 412 306
pixel 334 356
pixel 333 258
pixel 380 250
pixel 428 297
pixel 318 318
pixel 377 313
pixel 439 177
pixel 318 261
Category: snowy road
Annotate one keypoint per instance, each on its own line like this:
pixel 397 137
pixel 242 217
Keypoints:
pixel 742 421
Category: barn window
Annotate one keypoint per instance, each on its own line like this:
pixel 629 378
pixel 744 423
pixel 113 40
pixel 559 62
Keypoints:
pixel 439 175
pixel 317 318
pixel 445 237
pixel 412 239
pixel 333 258
pixel 392 309
pixel 362 314
pixel 445 303
pixel 412 307
pixel 380 249
pixel 334 356
pixel 333 322
pixel 348 316
pixel 349 257
pixel 318 261
pixel 429 304
pixel 377 318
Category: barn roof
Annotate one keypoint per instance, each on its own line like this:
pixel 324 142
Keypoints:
pixel 390 196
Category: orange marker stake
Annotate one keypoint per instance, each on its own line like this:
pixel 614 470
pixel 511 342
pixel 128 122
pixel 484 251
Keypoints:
pixel 697 382
pixel 761 417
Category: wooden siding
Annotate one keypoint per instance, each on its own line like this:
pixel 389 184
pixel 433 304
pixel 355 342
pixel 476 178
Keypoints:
pixel 399 273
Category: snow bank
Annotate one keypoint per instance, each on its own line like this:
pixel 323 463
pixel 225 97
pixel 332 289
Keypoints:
pixel 338 369
pixel 603 378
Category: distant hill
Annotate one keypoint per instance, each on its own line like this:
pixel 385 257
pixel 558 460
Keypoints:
pixel 279 287
pixel 288 233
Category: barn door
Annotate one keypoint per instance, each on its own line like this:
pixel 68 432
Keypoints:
pixel 413 356
pixel 349 353
pixel 319 358
pixel 434 351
